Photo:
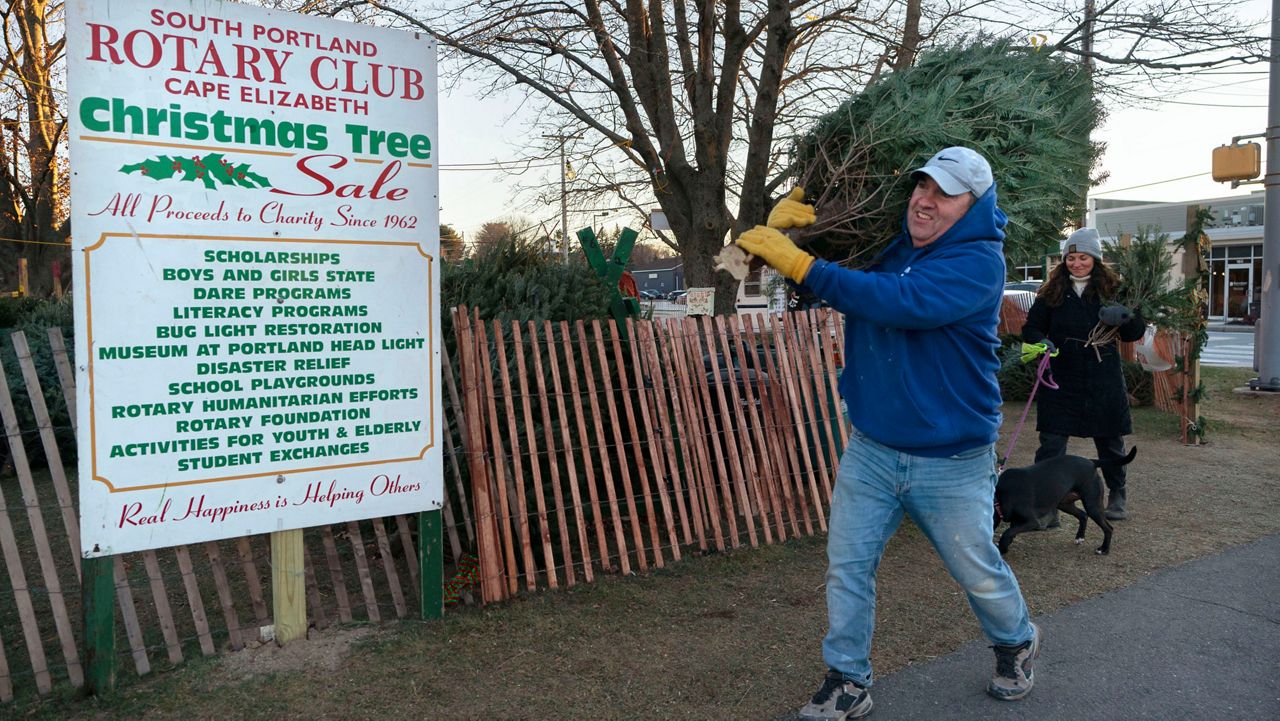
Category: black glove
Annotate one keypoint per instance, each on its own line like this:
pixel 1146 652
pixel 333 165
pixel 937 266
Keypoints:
pixel 1114 314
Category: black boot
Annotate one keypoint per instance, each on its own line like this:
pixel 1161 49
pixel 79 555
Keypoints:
pixel 1115 505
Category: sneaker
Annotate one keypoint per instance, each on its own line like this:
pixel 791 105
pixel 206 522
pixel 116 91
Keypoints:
pixel 1014 676
pixel 837 700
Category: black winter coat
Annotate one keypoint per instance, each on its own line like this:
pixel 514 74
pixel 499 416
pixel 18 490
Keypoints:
pixel 1091 400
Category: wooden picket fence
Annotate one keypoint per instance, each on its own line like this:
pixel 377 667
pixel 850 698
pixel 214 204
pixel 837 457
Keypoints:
pixel 175 602
pixel 570 451
pixel 594 447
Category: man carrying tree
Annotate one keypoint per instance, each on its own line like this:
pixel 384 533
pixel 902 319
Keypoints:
pixel 920 388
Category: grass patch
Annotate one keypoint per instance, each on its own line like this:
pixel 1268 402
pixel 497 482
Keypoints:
pixel 1220 382
pixel 1153 422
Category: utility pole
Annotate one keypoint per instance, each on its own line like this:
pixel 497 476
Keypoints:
pixel 564 196
pixel 1267 330
pixel 1087 46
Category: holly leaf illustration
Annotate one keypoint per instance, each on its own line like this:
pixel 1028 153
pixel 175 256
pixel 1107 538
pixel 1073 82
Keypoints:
pixel 211 170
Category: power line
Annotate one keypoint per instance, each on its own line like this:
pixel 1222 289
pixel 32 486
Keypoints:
pixel 1210 89
pixel 35 242
pixel 496 165
pixel 1210 105
pixel 1147 185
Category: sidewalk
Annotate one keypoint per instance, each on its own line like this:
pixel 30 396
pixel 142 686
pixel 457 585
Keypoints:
pixel 1220 327
pixel 1197 641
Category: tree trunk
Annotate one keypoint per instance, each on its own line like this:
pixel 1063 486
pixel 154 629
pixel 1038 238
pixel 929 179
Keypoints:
pixel 702 229
pixel 911 38
pixel 45 127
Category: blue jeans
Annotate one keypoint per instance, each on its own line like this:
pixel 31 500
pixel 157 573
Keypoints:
pixel 951 501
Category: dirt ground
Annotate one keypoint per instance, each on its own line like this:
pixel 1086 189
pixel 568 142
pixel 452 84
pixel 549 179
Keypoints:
pixel 730 636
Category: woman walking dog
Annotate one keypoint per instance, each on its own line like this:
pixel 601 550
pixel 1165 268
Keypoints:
pixel 1075 312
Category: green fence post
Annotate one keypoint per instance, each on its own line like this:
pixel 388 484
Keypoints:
pixel 97 590
pixel 431 562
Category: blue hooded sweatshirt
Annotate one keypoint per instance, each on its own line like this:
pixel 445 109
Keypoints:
pixel 920 336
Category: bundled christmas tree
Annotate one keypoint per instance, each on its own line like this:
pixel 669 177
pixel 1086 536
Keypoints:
pixel 1028 112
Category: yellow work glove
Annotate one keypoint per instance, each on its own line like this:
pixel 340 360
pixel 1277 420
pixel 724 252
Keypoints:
pixel 792 212
pixel 777 250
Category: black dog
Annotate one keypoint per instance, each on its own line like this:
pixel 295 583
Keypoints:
pixel 1028 497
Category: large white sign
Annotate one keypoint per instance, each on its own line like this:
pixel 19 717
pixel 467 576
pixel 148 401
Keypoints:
pixel 255 245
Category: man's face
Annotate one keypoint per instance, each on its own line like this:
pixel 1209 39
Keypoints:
pixel 931 212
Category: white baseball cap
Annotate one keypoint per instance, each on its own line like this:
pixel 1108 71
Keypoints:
pixel 958 170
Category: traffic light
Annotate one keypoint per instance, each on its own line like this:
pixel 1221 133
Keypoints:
pixel 1237 162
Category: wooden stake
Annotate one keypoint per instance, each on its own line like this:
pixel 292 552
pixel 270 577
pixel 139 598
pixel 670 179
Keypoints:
pixel 503 509
pixel 362 571
pixel 252 581
pixel 637 453
pixel 797 415
pixel 702 494
pixel 337 578
pixel 44 550
pixel 566 451
pixel 459 416
pixel 389 567
pixel 22 597
pixel 775 408
pixel 488 545
pixel 668 429
pixel 194 600
pixel 796 329
pixel 745 439
pixel 709 427
pixel 52 455
pixel 650 422
pixel 225 598
pixel 620 448
pixel 288 586
pixel 160 595
pixel 517 461
pixel 588 465
pixel 566 548
pixel 132 629
pixel 618 535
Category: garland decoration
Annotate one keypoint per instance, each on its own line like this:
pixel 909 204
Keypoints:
pixel 211 170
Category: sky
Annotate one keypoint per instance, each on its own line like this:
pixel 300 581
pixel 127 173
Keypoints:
pixel 1148 148
pixel 1150 151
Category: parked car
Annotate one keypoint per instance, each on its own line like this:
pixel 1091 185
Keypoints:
pixel 1021 298
pixel 677 296
pixel 1031 285
pixel 650 295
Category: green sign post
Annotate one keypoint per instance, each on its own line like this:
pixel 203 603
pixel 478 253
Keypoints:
pixel 620 307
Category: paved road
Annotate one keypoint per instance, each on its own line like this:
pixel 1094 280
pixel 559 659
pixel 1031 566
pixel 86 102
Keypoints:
pixel 1196 642
pixel 1228 349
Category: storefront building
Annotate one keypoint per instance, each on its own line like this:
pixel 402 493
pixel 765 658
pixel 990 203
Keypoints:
pixel 1235 257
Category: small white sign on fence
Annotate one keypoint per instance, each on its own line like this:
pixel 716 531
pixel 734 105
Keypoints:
pixel 700 301
pixel 255 214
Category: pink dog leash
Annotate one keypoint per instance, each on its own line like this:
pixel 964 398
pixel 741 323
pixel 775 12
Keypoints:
pixel 1042 376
